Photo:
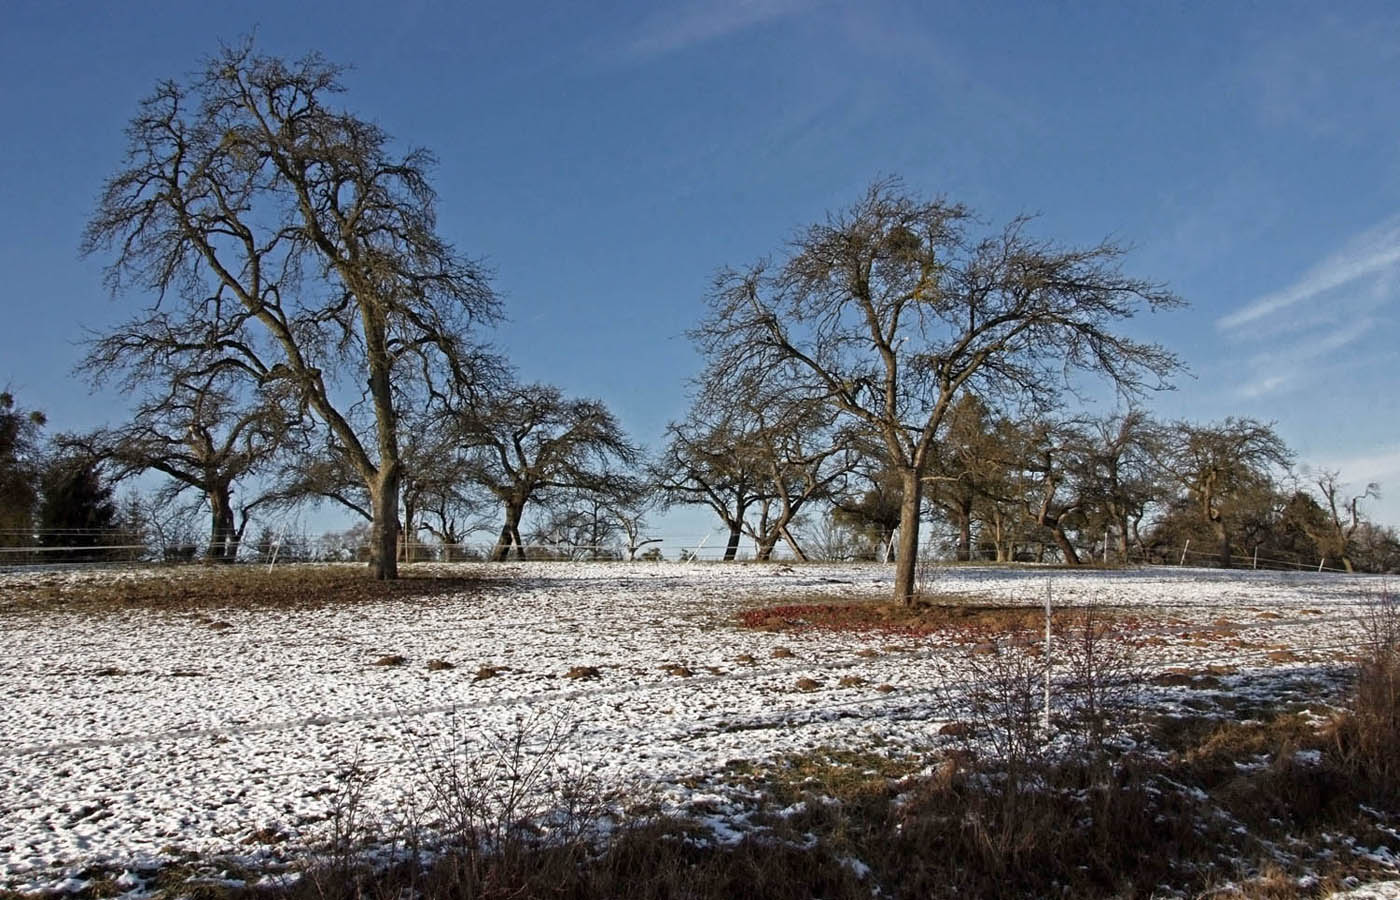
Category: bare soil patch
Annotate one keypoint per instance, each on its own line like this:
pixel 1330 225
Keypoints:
pixel 207 587
pixel 972 620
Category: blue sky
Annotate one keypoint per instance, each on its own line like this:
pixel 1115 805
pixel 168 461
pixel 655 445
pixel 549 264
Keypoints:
pixel 605 159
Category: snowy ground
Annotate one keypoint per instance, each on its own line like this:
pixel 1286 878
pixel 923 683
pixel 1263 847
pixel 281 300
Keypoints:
pixel 135 735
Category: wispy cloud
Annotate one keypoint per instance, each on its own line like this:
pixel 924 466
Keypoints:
pixel 1292 364
pixel 1381 465
pixel 1374 254
pixel 704 21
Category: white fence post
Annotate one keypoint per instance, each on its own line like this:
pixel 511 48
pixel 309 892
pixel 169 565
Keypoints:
pixel 1049 660
pixel 1183 552
pixel 276 546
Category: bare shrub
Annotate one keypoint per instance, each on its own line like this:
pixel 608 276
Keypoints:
pixel 1099 691
pixel 1003 699
pixel 1368 734
pixel 499 816
pixel 495 805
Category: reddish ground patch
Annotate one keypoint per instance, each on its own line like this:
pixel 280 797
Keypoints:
pixel 971 623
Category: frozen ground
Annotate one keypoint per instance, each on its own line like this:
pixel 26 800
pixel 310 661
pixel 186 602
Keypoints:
pixel 137 735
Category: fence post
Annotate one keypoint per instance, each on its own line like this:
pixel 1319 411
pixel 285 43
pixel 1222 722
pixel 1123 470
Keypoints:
pixel 1320 562
pixel 276 545
pixel 1183 552
pixel 1256 556
pixel 1048 658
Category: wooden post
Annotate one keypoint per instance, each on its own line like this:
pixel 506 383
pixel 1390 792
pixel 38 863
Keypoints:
pixel 1183 552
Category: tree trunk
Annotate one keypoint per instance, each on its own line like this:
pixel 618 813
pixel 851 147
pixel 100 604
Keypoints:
pixel 498 552
pixel 908 554
pixel 1066 548
pixel 1004 552
pixel 223 542
pixel 510 535
pixel 384 530
pixel 797 550
pixel 731 549
pixel 1223 534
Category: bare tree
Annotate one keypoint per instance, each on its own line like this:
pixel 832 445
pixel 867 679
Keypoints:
pixel 1220 466
pixel 1121 473
pixel 200 435
pixel 888 311
pixel 629 500
pixel 438 495
pixel 302 251
pixel 962 465
pixel 708 460
pixel 798 456
pixel 529 440
pixel 1055 495
pixel 1343 515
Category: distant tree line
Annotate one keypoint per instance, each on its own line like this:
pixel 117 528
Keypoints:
pixel 309 337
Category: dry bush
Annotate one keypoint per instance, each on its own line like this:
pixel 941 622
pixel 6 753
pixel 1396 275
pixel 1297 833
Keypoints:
pixel 503 819
pixel 1100 688
pixel 1003 700
pixel 1367 735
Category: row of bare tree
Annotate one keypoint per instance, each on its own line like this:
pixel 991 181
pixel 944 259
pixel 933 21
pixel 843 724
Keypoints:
pixel 312 333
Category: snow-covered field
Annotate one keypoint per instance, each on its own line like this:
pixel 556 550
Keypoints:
pixel 134 735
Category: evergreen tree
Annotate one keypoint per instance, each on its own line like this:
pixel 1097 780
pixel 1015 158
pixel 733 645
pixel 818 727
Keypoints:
pixel 76 508
pixel 19 471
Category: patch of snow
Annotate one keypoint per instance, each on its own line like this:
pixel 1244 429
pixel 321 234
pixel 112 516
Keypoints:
pixel 1376 890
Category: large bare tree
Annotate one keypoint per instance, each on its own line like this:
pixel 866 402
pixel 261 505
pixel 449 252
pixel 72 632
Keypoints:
pixel 288 239
pixel 889 311
pixel 1121 475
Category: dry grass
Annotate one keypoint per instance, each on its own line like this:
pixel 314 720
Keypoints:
pixel 207 587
